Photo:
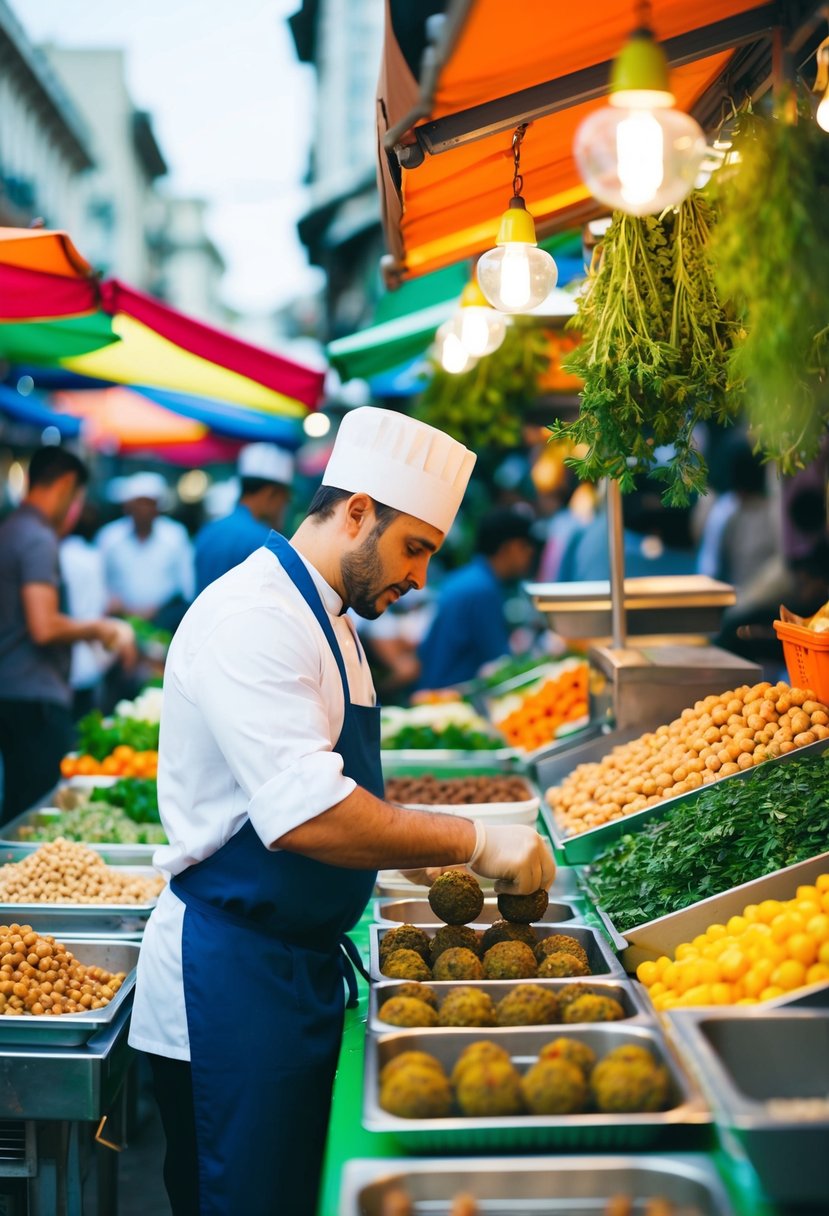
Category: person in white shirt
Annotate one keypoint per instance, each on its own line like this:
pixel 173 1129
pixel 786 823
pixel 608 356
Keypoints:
pixel 82 571
pixel 271 793
pixel 148 558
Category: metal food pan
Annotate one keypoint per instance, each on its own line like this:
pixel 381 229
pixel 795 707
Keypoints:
pixel 747 1058
pixel 661 936
pixel 586 846
pixel 594 1130
pixel 13 847
pixel 535 1186
pixel 627 994
pixel 93 920
pixel 419 912
pixel 600 958
pixel 74 1029
pixel 393 887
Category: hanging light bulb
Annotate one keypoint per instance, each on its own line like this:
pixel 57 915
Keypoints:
pixel 639 154
pixel 480 328
pixel 822 85
pixel 516 276
pixel 450 351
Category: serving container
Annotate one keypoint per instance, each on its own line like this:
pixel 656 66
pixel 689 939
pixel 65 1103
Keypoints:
pixel 628 995
pixel 393 887
pixel 654 938
pixel 584 1131
pixel 584 847
pixel 521 811
pixel 552 1186
pixel 419 912
pixel 747 1059
pixel 13 846
pixel 84 920
pixel 600 958
pixel 75 1029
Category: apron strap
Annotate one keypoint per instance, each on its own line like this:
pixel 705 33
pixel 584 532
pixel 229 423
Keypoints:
pixel 350 963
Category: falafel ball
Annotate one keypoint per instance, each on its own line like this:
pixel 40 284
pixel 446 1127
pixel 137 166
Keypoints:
pixel 419 992
pixel 406 1011
pixel 630 1088
pixel 416 1092
pixel 528 1005
pixel 405 965
pixel 450 936
pixel 405 1059
pixel 558 964
pixel 509 961
pixel 458 964
pixel 594 1008
pixel 405 937
pixel 504 931
pixel 571 1050
pixel 467 1007
pixel 560 942
pixel 524 909
pixel 554 1087
pixel 629 1053
pixel 456 897
pixel 489 1087
pixel 571 992
pixel 483 1049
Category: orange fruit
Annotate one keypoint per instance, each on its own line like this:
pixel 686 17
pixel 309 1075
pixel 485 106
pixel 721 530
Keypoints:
pixel 87 766
pixel 123 752
pixel 69 766
pixel 111 766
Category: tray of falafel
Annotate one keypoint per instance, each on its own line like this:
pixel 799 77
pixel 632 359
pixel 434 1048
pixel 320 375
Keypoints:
pixel 571 1056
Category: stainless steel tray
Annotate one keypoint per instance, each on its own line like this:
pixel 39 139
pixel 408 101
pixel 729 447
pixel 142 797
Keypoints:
pixel 535 1186
pixel 600 958
pixel 630 996
pixel 589 1131
pixel 84 920
pixel 74 1029
pixel 392 886
pixel 662 936
pixel 744 1058
pixel 586 846
pixel 688 603
pixel 12 847
pixel 419 912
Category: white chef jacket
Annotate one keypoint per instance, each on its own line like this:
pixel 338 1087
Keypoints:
pixel 144 574
pixel 253 705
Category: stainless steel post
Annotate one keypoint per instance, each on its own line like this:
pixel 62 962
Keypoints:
pixel 616 550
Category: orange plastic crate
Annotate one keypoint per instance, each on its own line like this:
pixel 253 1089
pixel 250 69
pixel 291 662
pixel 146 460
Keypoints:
pixel 807 657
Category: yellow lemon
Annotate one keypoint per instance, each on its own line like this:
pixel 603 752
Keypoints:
pixel 802 947
pixel 788 975
pixel 818 973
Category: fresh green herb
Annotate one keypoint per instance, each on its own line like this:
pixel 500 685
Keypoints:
pixel 137 797
pixel 99 736
pixel 452 737
pixel 95 824
pixel 484 407
pixel 771 255
pixel 654 351
pixel 147 634
pixel 733 832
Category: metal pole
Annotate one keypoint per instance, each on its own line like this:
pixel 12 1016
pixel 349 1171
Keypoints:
pixel 616 550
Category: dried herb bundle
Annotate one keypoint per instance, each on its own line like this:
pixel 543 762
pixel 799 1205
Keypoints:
pixel 654 352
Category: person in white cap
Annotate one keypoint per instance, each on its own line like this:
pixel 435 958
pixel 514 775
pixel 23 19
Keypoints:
pixel 266 473
pixel 271 793
pixel 148 558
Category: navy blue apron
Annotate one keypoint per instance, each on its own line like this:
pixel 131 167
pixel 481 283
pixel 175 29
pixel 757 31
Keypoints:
pixel 263 963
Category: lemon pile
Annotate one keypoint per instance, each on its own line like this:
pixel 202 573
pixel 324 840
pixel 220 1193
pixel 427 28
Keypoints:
pixel 770 949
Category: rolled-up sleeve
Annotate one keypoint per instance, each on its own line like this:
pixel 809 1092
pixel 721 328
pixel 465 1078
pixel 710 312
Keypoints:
pixel 258 683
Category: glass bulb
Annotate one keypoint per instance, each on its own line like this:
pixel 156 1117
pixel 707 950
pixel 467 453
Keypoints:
pixel 449 352
pixel 639 157
pixel 481 330
pixel 822 115
pixel 639 161
pixel 515 277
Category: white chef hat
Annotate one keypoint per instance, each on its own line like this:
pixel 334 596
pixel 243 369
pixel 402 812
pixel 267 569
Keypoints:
pixel 266 461
pixel 401 463
pixel 144 485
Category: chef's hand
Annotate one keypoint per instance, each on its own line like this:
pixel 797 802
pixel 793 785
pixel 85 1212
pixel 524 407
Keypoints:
pixel 516 857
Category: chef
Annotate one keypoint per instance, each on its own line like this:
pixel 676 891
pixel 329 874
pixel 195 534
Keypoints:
pixel 271 794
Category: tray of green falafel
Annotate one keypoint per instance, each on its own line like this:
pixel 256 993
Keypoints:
pixel 609 1086
pixel 520 946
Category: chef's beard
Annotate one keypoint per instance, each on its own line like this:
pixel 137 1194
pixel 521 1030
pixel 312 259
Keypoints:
pixel 362 575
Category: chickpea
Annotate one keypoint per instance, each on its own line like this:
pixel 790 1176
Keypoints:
pixel 804 738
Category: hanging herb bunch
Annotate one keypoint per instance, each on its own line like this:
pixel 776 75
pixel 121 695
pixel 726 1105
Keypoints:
pixel 771 256
pixel 485 407
pixel 654 352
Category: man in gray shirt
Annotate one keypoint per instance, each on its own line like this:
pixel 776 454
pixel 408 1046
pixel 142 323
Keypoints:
pixel 36 636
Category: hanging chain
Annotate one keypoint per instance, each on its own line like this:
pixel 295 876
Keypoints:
pixel 517 140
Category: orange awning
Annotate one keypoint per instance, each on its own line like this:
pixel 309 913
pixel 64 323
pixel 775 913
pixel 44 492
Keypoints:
pixel 50 252
pixel 448 206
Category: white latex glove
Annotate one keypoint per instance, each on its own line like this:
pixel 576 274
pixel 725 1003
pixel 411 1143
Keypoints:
pixel 516 857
